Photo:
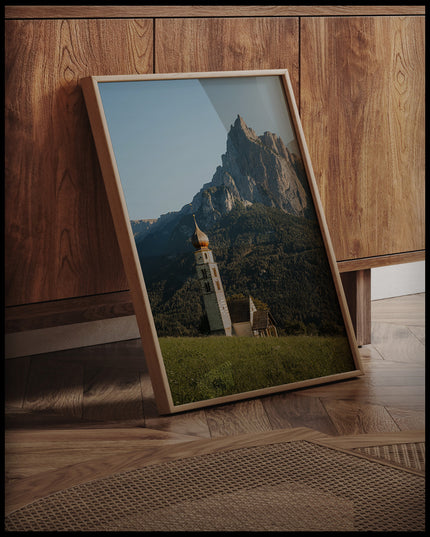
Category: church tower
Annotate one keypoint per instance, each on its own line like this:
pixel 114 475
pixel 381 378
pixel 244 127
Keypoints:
pixel 210 282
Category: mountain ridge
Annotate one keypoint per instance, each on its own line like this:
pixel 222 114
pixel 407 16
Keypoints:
pixel 254 169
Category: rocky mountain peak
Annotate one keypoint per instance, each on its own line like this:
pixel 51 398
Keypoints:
pixel 254 169
pixel 240 128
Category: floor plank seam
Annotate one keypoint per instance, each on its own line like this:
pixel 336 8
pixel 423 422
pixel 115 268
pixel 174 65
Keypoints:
pixel 415 336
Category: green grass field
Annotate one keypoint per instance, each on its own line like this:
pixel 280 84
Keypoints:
pixel 214 366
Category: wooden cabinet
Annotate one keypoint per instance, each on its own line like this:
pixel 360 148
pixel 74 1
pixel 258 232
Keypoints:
pixel 224 44
pixel 362 108
pixel 358 81
pixel 60 241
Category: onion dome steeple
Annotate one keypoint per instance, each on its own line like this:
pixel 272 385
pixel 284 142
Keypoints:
pixel 199 239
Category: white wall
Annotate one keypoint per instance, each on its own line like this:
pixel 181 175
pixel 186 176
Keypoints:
pixel 397 280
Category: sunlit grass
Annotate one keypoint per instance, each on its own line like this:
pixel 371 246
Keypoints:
pixel 214 366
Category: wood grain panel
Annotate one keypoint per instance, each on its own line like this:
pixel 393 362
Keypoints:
pixel 407 419
pixel 362 108
pixel 357 289
pixel 419 332
pixel 32 452
pixel 352 418
pixel 53 388
pixel 286 410
pixel 205 11
pixel 192 423
pixel 239 418
pixel 397 343
pixel 67 311
pixel 60 240
pixel 361 440
pixel 406 310
pixel 222 44
pixel 112 394
pixel 381 261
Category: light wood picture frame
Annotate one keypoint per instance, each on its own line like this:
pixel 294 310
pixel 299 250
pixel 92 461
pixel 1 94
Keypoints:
pixel 222 233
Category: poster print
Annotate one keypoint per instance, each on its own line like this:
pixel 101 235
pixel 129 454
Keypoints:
pixel 225 245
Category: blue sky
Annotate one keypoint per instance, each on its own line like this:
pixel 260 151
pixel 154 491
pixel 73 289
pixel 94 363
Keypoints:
pixel 168 135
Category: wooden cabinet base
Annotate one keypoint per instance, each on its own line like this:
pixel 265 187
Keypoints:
pixel 356 285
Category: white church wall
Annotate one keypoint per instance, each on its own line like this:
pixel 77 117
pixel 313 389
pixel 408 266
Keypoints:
pixel 242 329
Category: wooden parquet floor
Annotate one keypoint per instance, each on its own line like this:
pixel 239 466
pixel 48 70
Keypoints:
pixel 84 406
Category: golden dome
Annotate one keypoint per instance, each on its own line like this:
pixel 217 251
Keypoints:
pixel 199 239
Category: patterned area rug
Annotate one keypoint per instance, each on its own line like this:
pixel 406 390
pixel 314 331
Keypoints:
pixel 410 455
pixel 288 486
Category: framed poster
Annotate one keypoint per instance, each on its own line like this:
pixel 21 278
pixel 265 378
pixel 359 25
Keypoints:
pixel 224 242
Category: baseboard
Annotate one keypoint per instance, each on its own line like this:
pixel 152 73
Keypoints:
pixel 70 336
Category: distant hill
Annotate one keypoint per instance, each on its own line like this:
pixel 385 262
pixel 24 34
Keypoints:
pixel 141 227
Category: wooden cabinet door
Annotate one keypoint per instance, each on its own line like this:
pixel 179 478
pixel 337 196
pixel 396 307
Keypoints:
pixel 227 44
pixel 60 240
pixel 362 109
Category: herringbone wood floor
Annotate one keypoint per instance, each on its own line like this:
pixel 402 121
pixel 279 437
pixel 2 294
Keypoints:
pixel 78 406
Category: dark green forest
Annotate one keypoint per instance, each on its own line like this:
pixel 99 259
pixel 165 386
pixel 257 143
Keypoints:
pixel 274 257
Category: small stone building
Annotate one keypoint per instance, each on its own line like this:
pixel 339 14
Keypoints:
pixel 248 321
